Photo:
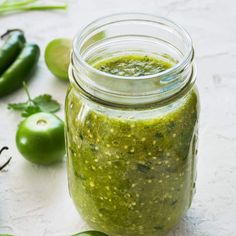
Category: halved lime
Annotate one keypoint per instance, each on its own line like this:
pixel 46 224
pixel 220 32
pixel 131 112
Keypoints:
pixel 57 57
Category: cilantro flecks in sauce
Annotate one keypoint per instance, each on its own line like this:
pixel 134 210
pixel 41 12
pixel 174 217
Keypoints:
pixel 132 176
pixel 133 65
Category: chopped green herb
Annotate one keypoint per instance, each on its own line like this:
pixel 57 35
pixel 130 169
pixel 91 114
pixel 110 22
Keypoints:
pixel 133 65
pixel 159 135
pixel 171 126
pixel 158 227
pixel 81 136
pixel 143 168
pixel 173 203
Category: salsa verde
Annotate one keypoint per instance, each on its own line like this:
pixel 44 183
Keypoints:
pixel 132 175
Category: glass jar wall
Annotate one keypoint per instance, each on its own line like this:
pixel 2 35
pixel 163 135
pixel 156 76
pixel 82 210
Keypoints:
pixel 132 119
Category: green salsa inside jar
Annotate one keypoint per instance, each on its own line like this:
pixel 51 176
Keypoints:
pixel 129 174
pixel 133 65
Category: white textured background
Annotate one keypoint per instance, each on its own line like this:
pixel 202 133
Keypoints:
pixel 34 200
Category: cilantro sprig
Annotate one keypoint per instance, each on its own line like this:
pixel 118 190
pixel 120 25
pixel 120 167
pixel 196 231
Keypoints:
pixel 42 103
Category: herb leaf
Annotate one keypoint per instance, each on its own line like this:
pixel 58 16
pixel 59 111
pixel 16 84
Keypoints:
pixel 30 110
pixel 46 103
pixel 42 103
pixel 18 106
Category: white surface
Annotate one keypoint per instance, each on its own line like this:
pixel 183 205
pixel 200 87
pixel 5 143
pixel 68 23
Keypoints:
pixel 35 201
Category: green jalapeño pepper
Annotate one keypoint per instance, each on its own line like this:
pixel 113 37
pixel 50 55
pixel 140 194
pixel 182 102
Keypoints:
pixel 14 42
pixel 20 70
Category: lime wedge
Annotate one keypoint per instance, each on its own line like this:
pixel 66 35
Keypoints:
pixel 57 57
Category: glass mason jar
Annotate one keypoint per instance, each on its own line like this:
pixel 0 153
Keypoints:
pixel 132 141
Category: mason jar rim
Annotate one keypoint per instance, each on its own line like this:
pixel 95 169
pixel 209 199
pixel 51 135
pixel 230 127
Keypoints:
pixel 187 58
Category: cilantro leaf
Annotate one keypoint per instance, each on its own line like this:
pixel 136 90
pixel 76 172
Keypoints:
pixel 46 103
pixel 42 103
pixel 18 106
pixel 30 110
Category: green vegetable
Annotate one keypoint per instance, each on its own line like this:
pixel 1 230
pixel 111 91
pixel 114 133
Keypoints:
pixel 20 70
pixel 40 138
pixel 14 6
pixel 91 233
pixel 42 103
pixel 14 42
pixel 57 57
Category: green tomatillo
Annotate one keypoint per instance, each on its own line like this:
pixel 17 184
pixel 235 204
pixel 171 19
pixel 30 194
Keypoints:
pixel 40 138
